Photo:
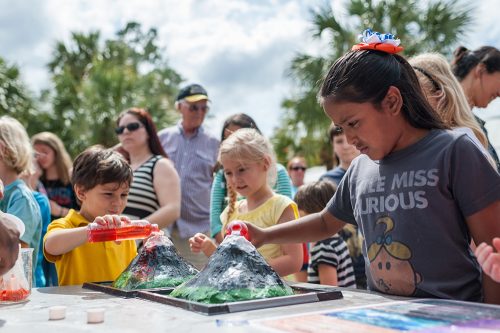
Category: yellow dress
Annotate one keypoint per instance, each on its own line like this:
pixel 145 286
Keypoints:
pixel 264 216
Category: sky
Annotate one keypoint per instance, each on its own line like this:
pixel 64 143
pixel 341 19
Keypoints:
pixel 238 50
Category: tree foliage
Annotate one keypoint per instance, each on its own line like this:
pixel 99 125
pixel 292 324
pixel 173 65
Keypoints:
pixel 95 80
pixel 422 26
pixel 15 99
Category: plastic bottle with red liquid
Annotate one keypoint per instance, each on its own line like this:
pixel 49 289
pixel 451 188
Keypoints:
pixel 137 229
pixel 238 228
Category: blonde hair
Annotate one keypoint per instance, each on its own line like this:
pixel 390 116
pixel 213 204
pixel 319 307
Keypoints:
pixel 246 145
pixel 15 148
pixel 61 156
pixel 434 71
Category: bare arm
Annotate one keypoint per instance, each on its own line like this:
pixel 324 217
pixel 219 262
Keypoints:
pixel 327 275
pixel 168 191
pixel 291 260
pixel 484 225
pixel 62 241
pixel 310 228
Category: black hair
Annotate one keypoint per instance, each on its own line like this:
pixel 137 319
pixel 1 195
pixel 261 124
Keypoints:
pixel 365 76
pixel 465 60
pixel 240 119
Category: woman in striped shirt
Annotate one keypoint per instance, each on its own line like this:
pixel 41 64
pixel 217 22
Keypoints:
pixel 155 193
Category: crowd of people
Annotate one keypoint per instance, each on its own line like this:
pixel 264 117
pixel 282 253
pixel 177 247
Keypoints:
pixel 397 201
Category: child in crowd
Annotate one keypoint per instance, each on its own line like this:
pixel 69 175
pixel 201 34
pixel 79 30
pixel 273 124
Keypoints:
pixel 101 179
pixel 343 154
pixel 219 195
pixel 410 192
pixel 249 167
pixel 15 158
pixel 9 240
pixel 489 260
pixel 329 261
pixel 55 165
pixel 31 178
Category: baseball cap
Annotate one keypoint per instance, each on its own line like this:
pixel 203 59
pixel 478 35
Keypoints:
pixel 192 93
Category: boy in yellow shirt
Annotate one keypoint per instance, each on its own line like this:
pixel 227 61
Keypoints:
pixel 101 179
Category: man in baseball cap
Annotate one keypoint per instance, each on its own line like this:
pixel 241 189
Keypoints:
pixel 194 153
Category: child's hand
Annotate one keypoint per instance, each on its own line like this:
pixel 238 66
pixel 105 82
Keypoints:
pixel 1 189
pixel 489 260
pixel 111 221
pixel 202 243
pixel 256 234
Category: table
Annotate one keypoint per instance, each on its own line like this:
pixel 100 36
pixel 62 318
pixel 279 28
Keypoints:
pixel 136 315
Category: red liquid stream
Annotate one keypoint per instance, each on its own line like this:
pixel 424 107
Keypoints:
pixel 122 233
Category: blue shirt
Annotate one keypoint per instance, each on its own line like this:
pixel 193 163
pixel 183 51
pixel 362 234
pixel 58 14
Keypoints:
pixel 335 175
pixel 194 158
pixel 19 201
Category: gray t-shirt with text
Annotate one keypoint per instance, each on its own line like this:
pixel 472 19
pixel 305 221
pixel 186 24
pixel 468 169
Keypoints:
pixel 411 208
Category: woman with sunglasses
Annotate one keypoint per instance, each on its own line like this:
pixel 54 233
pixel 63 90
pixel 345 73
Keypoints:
pixel 297 167
pixel 155 193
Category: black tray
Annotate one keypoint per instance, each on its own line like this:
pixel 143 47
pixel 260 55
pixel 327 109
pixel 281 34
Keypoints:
pixel 106 287
pixel 302 295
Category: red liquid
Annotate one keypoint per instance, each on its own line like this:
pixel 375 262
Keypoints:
pixel 237 228
pixel 122 233
pixel 14 295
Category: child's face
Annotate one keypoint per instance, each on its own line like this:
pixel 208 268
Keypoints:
pixel 344 151
pixel 45 156
pixel 247 178
pixel 374 132
pixel 103 199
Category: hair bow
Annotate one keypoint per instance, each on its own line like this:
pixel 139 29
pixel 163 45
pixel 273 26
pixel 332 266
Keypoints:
pixel 372 40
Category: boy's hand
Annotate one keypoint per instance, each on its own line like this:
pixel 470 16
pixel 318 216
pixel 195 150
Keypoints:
pixel 201 243
pixel 111 221
pixel 489 260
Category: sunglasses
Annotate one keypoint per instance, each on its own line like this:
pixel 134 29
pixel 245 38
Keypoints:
pixel 131 128
pixel 194 107
pixel 297 168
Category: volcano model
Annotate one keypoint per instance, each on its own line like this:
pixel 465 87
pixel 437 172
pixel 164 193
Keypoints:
pixel 235 272
pixel 158 264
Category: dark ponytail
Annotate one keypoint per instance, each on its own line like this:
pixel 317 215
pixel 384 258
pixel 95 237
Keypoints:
pixel 365 76
pixel 465 60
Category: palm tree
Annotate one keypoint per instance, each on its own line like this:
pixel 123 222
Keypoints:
pixel 436 26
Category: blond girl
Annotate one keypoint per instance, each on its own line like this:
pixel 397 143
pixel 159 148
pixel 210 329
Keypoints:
pixel 249 166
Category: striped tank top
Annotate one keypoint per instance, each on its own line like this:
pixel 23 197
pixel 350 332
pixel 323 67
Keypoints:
pixel 142 200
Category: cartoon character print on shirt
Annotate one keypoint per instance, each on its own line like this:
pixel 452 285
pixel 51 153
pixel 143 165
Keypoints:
pixel 390 267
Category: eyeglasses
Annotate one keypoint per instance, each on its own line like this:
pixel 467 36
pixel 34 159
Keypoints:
pixel 131 128
pixel 297 168
pixel 194 107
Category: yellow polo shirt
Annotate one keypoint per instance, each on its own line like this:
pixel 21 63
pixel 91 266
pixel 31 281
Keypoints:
pixel 264 216
pixel 90 262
